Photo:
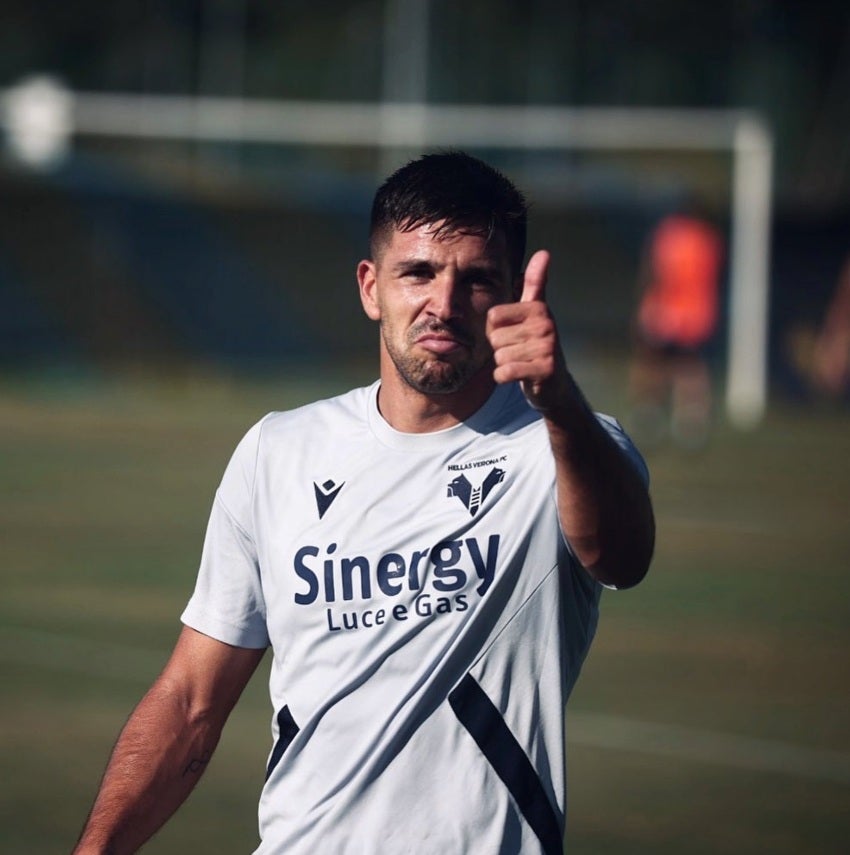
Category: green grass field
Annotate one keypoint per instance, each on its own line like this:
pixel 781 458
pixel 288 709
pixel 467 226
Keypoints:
pixel 713 715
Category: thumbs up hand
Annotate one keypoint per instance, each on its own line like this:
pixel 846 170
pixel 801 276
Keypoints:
pixel 525 341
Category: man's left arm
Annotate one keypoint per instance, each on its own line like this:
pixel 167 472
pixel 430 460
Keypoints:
pixel 603 502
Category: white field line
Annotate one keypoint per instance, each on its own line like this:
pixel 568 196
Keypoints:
pixel 68 654
pixel 707 746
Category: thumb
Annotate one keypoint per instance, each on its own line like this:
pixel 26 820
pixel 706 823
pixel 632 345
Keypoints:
pixel 534 282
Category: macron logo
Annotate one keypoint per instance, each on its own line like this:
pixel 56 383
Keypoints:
pixel 325 494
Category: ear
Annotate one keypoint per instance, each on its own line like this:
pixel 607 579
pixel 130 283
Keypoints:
pixel 367 282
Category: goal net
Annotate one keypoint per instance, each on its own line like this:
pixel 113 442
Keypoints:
pixel 290 184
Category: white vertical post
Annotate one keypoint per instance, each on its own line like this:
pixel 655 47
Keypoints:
pixel 747 369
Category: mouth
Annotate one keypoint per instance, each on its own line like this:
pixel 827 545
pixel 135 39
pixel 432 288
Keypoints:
pixel 440 344
pixel 440 337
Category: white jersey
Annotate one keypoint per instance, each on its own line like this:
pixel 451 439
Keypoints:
pixel 427 618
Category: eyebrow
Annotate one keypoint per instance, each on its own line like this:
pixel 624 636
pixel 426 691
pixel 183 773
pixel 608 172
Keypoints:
pixel 477 269
pixel 412 263
pixel 492 271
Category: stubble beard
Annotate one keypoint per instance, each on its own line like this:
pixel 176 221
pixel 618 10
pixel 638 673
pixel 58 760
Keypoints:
pixel 430 375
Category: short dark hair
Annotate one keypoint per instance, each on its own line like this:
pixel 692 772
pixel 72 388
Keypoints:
pixel 455 189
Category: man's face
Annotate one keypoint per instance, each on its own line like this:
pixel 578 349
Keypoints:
pixel 431 293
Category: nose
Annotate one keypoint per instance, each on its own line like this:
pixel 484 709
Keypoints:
pixel 444 302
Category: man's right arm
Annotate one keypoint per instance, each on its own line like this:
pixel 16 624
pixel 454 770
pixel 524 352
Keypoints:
pixel 167 743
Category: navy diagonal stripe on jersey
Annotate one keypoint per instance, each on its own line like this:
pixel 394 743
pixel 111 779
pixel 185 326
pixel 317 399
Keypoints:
pixel 286 730
pixel 482 719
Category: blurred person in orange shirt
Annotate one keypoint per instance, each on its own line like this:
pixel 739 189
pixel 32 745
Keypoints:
pixel 676 319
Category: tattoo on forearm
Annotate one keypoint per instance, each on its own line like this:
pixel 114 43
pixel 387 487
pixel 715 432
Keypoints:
pixel 197 764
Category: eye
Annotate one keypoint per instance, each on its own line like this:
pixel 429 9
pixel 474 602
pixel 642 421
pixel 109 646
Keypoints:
pixel 481 283
pixel 418 274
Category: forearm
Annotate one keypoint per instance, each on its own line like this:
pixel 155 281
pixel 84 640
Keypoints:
pixel 159 757
pixel 603 503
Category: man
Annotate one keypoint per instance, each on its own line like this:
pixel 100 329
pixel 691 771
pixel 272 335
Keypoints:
pixel 424 556
pixel 676 321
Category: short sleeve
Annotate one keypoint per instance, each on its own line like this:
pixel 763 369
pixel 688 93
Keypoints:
pixel 587 585
pixel 616 432
pixel 228 603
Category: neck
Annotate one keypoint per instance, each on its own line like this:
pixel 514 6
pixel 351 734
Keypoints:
pixel 410 411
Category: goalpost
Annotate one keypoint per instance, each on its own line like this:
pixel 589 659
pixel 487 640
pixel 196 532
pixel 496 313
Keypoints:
pixel 392 126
